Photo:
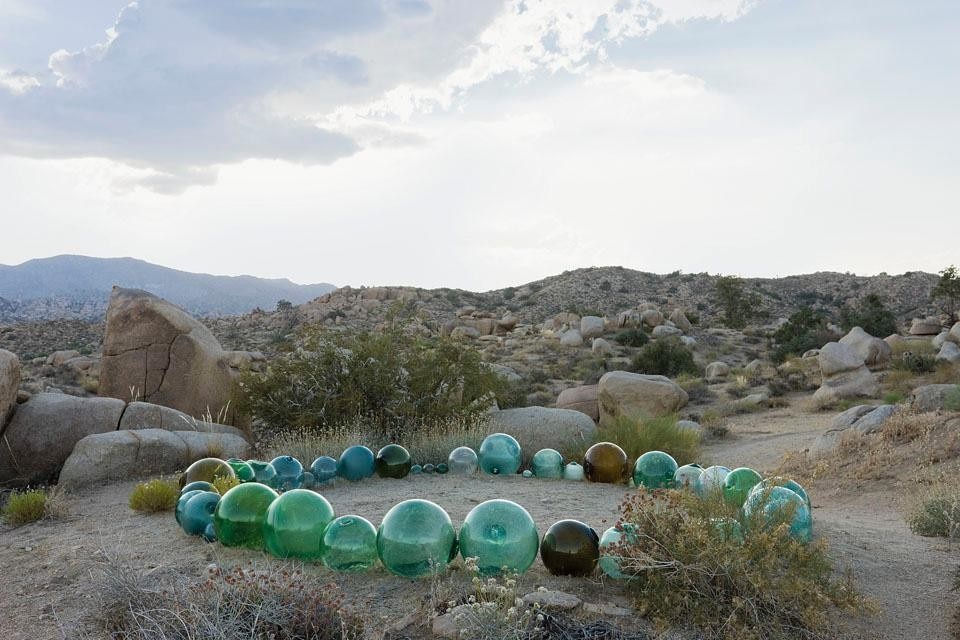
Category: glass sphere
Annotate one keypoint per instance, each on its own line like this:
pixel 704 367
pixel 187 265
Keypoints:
pixel 207 469
pixel 499 534
pixel 463 461
pixel 416 470
pixel 527 473
pixel 686 476
pixel 289 472
pixel 573 471
pixel 443 468
pixel 416 538
pixel 775 505
pixel 198 485
pixel 242 469
pixel 393 461
pixel 198 512
pixel 547 463
pixel 349 544
pixel 309 480
pixel 499 454
pixel 727 529
pixel 356 463
pixel 780 481
pixel 570 548
pixel 324 469
pixel 738 484
pixel 429 468
pixel 264 473
pixel 655 470
pixel 295 524
pixel 609 557
pixel 182 503
pixel 711 481
pixel 210 533
pixel 240 514
pixel 606 462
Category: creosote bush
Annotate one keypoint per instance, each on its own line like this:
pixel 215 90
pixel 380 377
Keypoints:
pixel 30 505
pixel 152 496
pixel 936 511
pixel 665 357
pixel 632 338
pixel 636 437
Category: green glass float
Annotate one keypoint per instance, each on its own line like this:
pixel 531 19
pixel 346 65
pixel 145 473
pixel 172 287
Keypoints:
pixel 393 461
pixel 295 524
pixel 264 473
pixel 443 468
pixel 429 468
pixel 499 454
pixel 738 484
pixel 182 503
pixel 655 470
pixel 324 469
pixel 463 461
pixel 499 534
pixel 356 463
pixel 711 481
pixel 206 469
pixel 573 471
pixel 198 512
pixel 416 470
pixel 686 476
pixel 198 485
pixel 416 538
pixel 289 472
pixel 609 559
pixel 606 462
pixel 210 533
pixel 547 463
pixel 309 480
pixel 727 529
pixel 570 548
pixel 349 544
pixel 242 469
pixel 775 505
pixel 527 473
pixel 240 514
pixel 780 481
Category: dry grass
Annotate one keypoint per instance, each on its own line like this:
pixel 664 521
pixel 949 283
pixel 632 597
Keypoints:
pixel 32 505
pixel 637 437
pixel 154 496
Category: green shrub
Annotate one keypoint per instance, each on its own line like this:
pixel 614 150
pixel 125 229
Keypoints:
pixel 893 397
pixel 804 330
pixel 738 306
pixel 152 496
pixel 636 437
pixel 632 338
pixel 917 363
pixel 871 315
pixel 23 507
pixel 936 512
pixel 665 357
pixel 696 387
pixel 951 401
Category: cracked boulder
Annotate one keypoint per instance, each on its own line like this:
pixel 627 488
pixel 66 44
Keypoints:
pixel 844 375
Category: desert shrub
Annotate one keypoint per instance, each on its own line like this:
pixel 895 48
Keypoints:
pixel 936 510
pixel 951 402
pixel 893 397
pixel 946 373
pixel 159 494
pixel 695 386
pixel 915 363
pixel 687 572
pixel 632 338
pixel 871 315
pixel 636 437
pixel 30 505
pixel 738 306
pixel 664 357
pixel 947 292
pixel 804 330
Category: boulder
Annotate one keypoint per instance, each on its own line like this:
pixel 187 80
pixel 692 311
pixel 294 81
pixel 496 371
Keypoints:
pixel 144 415
pixel 688 341
pixel 895 341
pixel 874 351
pixel 954 335
pixel 862 420
pixel 59 358
pixel 591 327
pixel 690 425
pixel 538 428
pixel 154 351
pixel 620 393
pixel 665 331
pixel 933 397
pixel 873 420
pixel 949 352
pixel 504 372
pixel 9 382
pixel 465 332
pixel 582 399
pixel 925 327
pixel 938 340
pixel 651 317
pixel 44 430
pixel 754 367
pixel 843 375
pixel 601 346
pixel 717 371
pixel 851 415
pixel 507 323
pixel 680 321
pixel 628 319
pixel 836 358
pixel 571 338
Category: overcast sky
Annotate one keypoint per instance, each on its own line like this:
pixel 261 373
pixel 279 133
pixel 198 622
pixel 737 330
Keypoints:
pixel 482 143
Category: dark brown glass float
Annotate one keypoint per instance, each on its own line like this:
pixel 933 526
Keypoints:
pixel 570 548
pixel 606 462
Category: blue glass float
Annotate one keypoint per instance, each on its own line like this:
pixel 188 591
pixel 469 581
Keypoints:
pixel 309 480
pixel 686 476
pixel 289 472
pixel 609 555
pixel 210 533
pixel 775 505
pixel 295 524
pixel 573 471
pixel 463 461
pixel 786 483
pixel 547 463
pixel 356 463
pixel 429 468
pixel 349 544
pixel 393 461
pixel 242 469
pixel 182 503
pixel 499 454
pixel 655 470
pixel 442 468
pixel 198 485
pixel 324 469
pixel 500 534
pixel 198 512
pixel 264 473
pixel 711 481
pixel 570 548
pixel 738 484
pixel 416 470
pixel 416 538
pixel 240 514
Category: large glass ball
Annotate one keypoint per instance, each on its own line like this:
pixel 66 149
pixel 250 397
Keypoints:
pixel 609 553
pixel 775 505
pixel 547 463
pixel 738 484
pixel 349 544
pixel 416 538
pixel 324 469
pixel 240 514
pixel 786 483
pixel 393 461
pixel 606 462
pixel 500 534
pixel 499 454
pixel 264 473
pixel 207 469
pixel 289 472
pixel 198 485
pixel 198 512
pixel 295 524
pixel 711 481
pixel 686 476
pixel 570 548
pixel 573 471
pixel 727 529
pixel 463 461
pixel 356 463
pixel 242 469
pixel 182 503
pixel 655 470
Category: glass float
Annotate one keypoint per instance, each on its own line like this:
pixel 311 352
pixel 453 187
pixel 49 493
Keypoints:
pixel 606 462
pixel 349 544
pixel 463 461
pixel 198 485
pixel 393 461
pixel 295 524
pixel 727 529
pixel 182 503
pixel 356 463
pixel 198 512
pixel 547 463
pixel 499 533
pixel 289 472
pixel 527 473
pixel 240 514
pixel 416 538
pixel 210 533
pixel 780 481
pixel 570 548
pixel 206 469
pixel 309 480
pixel 499 454
pixel 655 470
pixel 416 470
pixel 609 558
pixel 429 468
pixel 573 471
pixel 775 505
pixel 442 468
pixel 242 469
pixel 738 484
pixel 324 469
pixel 264 473
pixel 711 481
pixel 686 476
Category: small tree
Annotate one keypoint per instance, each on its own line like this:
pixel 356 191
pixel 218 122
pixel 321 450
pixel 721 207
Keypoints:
pixel 738 305
pixel 947 292
pixel 871 315
pixel 804 330
pixel 284 305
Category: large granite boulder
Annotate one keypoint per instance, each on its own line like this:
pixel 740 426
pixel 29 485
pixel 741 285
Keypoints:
pixel 143 415
pixel 9 382
pixel 874 351
pixel 591 327
pixel 925 327
pixel 571 338
pixel 933 397
pixel 679 319
pixel 949 352
pixel 620 393
pixel 538 428
pixel 954 335
pixel 582 399
pixel 843 375
pixel 717 371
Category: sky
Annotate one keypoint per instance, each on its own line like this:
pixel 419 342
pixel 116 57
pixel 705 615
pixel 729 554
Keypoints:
pixel 480 144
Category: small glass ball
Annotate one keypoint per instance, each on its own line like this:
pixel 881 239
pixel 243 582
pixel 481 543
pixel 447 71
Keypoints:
pixel 573 471
pixel 324 469
pixel 463 461
pixel 416 470
pixel 198 512
pixel 198 485
pixel 609 559
pixel 242 469
pixel 429 468
pixel 182 503
pixel 711 481
pixel 527 473
pixel 686 476
pixel 264 473
pixel 443 468
pixel 547 463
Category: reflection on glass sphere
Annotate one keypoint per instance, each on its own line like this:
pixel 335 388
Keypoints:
pixel 295 524
pixel 393 461
pixel 349 544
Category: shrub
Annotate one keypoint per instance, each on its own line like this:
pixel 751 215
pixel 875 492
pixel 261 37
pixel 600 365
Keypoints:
pixel 916 363
pixel 951 402
pixel 871 315
pixel 804 330
pixel 632 338
pixel 738 307
pixel 695 386
pixel 947 292
pixel 936 511
pixel 152 496
pixel 23 507
pixel 665 357
pixel 636 437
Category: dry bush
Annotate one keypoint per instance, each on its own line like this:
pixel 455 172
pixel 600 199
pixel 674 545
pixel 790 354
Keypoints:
pixel 31 505
pixel 946 373
pixel 935 510
pixel 152 496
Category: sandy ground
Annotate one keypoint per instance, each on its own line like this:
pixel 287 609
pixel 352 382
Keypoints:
pixel 50 569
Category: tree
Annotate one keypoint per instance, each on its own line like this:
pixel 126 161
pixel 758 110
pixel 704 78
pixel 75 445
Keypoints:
pixel 947 292
pixel 284 305
pixel 871 315
pixel 804 330
pixel 738 306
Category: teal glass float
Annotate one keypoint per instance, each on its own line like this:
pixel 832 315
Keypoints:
pixel 463 461
pixel 393 461
pixel 416 538
pixel 711 481
pixel 499 534
pixel 416 470
pixel 727 529
pixel 786 483
pixel 573 471
pixel 208 470
pixel 655 470
pixel 499 454
pixel 295 524
pixel 570 548
pixel 198 485
pixel 349 544
pixel 775 505
pixel 609 555
pixel 309 480
pixel 182 503
pixel 738 484
pixel 324 469
pixel 264 473
pixel 429 468
pixel 527 473
pixel 686 476
pixel 198 512
pixel 240 514
pixel 547 463
pixel 356 463
pixel 443 468
pixel 289 472
pixel 242 469
pixel 210 533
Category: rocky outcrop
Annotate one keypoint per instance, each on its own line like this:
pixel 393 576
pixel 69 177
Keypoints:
pixel 538 428
pixel 717 371
pixel 571 338
pixel 680 321
pixel 843 375
pixel 620 393
pixel 143 415
pixel 859 420
pixel 954 334
pixel 874 351
pixel 9 382
pixel 582 399
pixel 665 331
pixel 933 397
pixel 949 352
pixel 601 346
pixel 925 327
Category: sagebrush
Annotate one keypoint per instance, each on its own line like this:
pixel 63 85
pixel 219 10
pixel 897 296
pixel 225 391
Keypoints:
pixel 152 496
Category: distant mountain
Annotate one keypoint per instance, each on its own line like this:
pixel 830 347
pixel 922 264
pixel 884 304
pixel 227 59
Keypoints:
pixel 79 286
